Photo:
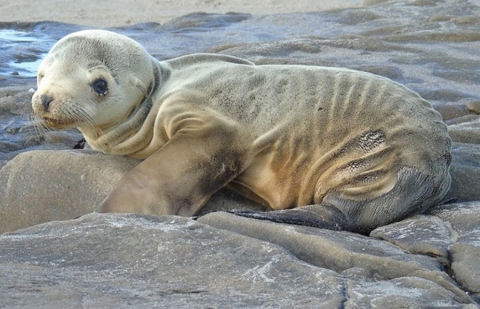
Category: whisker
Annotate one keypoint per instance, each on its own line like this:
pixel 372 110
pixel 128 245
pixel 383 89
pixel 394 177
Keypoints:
pixel 86 117
pixel 36 127
pixel 34 121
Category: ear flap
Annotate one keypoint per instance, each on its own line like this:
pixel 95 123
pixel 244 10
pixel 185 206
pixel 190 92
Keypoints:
pixel 138 84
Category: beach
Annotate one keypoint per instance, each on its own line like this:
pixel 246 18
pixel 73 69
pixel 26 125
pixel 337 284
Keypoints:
pixel 121 13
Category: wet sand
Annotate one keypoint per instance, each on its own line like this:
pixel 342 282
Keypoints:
pixel 120 13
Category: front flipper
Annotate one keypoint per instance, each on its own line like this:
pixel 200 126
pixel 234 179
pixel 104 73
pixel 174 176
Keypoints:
pixel 203 154
pixel 320 216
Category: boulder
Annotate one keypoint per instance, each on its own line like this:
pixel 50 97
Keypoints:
pixel 46 185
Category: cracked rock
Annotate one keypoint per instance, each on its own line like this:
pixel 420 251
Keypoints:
pixel 123 261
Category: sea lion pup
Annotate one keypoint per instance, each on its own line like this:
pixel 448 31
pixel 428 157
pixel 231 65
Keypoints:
pixel 345 149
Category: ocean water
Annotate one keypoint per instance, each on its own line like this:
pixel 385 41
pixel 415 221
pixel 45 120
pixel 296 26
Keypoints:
pixel 431 47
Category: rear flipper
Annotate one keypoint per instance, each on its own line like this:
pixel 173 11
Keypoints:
pixel 320 216
pixel 413 193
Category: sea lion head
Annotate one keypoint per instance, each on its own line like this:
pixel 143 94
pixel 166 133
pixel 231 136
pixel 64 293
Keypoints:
pixel 93 79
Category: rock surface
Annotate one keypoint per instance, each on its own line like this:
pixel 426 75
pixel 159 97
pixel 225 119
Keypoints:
pixel 219 260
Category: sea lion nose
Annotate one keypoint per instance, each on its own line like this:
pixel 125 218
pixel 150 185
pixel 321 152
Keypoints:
pixel 46 100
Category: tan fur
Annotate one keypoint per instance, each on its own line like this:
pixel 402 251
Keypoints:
pixel 284 136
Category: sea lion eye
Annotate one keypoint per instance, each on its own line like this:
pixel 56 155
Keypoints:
pixel 100 87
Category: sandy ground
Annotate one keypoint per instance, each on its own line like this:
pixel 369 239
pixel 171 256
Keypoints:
pixel 109 13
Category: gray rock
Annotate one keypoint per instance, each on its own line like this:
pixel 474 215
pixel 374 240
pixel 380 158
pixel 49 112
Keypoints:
pixel 426 235
pixel 465 171
pixel 339 251
pixel 118 261
pixel 450 233
pixel 465 266
pixel 42 186
pixel 132 261
pixel 464 218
